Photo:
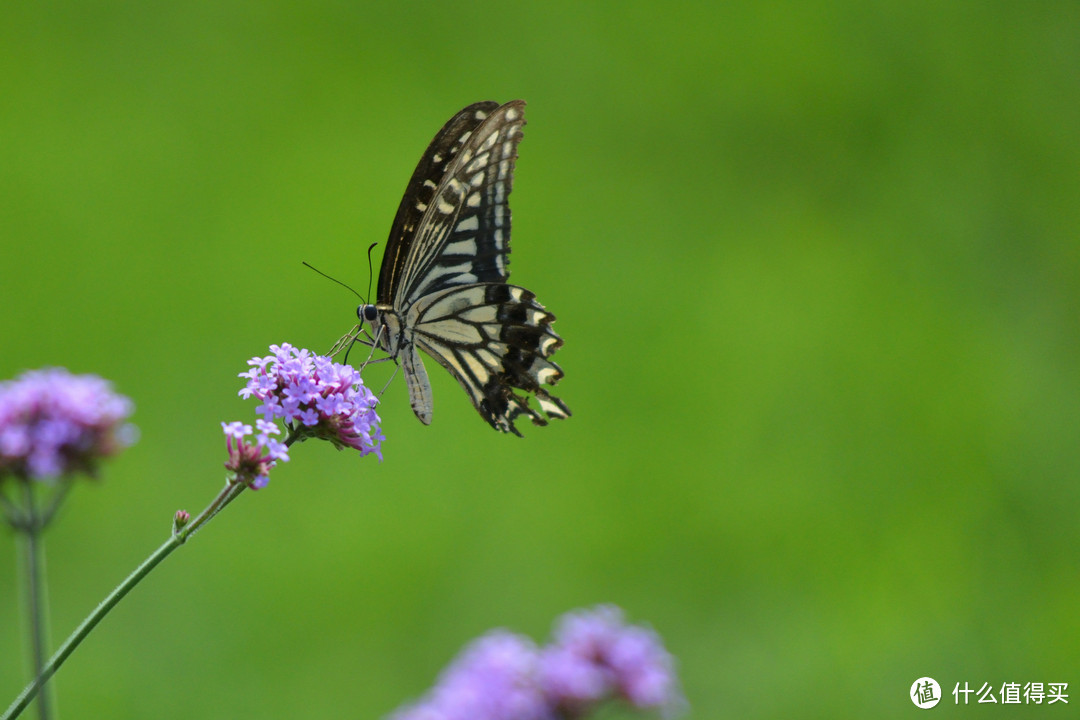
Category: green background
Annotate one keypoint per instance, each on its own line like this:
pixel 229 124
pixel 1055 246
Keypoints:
pixel 817 269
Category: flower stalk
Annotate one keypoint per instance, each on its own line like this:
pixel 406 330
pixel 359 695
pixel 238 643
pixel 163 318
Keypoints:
pixel 47 669
pixel 179 536
pixel 36 595
pixel 314 398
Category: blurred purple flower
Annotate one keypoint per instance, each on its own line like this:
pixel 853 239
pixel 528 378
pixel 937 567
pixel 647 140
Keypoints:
pixel 494 678
pixel 246 461
pixel 594 657
pixel 315 397
pixel 53 423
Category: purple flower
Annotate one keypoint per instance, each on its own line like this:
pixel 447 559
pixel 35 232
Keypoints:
pixel 315 397
pixel 246 461
pixel 53 423
pixel 236 430
pixel 494 678
pixel 594 657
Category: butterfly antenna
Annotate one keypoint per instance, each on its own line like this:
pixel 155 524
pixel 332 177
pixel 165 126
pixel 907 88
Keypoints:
pixel 309 265
pixel 370 272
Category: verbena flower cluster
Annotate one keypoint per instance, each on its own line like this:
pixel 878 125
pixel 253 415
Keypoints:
pixel 594 657
pixel 315 397
pixel 246 462
pixel 53 423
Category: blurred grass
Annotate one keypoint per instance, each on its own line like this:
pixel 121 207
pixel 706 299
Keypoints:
pixel 816 265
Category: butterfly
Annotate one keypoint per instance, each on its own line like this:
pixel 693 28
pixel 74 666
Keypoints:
pixel 443 281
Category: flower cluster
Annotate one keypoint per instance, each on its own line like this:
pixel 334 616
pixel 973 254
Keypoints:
pixel 316 397
pixel 595 656
pixel 53 424
pixel 246 461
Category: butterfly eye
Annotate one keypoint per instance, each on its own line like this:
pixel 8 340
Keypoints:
pixel 367 313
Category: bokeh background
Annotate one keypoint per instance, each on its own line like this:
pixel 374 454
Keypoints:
pixel 817 269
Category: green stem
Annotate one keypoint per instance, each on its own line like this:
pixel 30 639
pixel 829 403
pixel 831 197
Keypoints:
pixel 56 502
pixel 227 495
pixel 35 592
pixel 12 514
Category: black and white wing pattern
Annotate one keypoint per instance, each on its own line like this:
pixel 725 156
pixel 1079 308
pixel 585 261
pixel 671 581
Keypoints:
pixel 443 283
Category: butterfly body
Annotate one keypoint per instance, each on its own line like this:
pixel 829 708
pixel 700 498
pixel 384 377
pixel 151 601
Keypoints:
pixel 443 282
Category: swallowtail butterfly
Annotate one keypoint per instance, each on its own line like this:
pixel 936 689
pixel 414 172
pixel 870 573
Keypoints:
pixel 443 283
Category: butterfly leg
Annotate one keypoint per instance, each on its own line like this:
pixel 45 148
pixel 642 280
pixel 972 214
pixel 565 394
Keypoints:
pixel 344 341
pixel 374 344
pixel 392 376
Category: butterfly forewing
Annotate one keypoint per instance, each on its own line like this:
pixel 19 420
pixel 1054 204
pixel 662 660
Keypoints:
pixel 421 189
pixel 464 234
pixel 442 286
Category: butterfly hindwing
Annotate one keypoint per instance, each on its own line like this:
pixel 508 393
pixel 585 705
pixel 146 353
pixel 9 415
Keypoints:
pixel 495 339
